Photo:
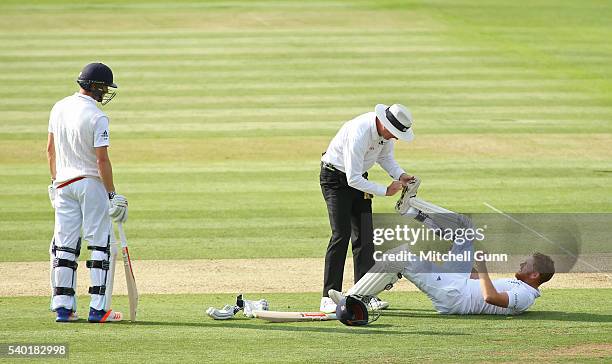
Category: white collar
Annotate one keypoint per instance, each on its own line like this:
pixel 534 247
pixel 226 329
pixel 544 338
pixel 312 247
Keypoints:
pixel 88 98
pixel 375 136
pixel 535 291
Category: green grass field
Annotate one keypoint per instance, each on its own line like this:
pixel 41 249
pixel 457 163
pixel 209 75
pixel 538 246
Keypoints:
pixel 223 109
pixel 410 332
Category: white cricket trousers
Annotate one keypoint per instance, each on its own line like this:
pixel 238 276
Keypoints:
pixel 81 213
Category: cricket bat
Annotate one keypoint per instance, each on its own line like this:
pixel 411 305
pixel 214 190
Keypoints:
pixel 280 316
pixel 129 274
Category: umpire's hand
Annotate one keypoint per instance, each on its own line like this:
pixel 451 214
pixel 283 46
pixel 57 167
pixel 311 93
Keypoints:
pixel 406 179
pixel 394 188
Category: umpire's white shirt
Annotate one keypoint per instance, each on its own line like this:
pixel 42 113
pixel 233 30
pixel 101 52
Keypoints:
pixel 355 149
pixel 78 126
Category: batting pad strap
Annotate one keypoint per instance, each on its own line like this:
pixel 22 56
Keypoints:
pixel 63 291
pixel 105 249
pixel 58 262
pixel 101 290
pixel 76 251
pixel 100 264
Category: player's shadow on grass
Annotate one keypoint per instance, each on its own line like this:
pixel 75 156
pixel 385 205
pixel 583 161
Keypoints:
pixel 529 315
pixel 373 329
pixel 564 316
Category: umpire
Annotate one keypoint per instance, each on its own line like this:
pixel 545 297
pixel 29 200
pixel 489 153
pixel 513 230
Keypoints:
pixel 361 142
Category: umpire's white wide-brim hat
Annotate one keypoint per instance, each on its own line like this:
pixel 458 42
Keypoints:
pixel 397 119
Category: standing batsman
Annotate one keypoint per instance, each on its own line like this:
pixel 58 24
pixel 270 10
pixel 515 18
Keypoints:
pixel 360 143
pixel 83 196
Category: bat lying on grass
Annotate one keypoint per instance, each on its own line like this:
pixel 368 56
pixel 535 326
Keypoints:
pixel 280 316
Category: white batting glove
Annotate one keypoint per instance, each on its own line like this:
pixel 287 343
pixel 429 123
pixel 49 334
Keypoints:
pixel 118 210
pixel 51 191
pixel 250 306
pixel 226 313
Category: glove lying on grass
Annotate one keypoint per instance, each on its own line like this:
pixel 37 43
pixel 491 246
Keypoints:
pixel 229 311
pixel 250 306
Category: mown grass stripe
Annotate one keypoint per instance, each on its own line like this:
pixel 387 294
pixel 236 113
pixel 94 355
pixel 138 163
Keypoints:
pixel 566 97
pixel 189 63
pixel 139 129
pixel 216 41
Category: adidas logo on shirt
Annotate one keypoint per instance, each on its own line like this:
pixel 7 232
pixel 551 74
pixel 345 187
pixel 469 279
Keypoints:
pixel 105 135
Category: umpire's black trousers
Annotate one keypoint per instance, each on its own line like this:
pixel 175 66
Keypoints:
pixel 350 217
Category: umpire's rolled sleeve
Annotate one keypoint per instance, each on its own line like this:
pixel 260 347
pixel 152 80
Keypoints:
pixel 362 184
pixel 387 161
pixel 355 149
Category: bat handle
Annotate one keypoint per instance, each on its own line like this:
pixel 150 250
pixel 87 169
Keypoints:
pixel 122 234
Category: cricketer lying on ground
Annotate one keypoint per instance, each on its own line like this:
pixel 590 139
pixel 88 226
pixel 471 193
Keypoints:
pixel 448 286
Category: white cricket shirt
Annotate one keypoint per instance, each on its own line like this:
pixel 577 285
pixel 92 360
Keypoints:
pixel 521 296
pixel 78 126
pixel 356 148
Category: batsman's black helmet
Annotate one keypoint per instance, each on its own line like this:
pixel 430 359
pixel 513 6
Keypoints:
pixel 97 78
pixel 352 312
pixel 97 72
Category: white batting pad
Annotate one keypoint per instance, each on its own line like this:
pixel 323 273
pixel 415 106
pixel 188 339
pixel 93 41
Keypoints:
pixel 380 277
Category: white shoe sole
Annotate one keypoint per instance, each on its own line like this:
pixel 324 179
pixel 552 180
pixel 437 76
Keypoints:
pixel 112 316
pixel 328 309
pixel 335 296
pixel 403 204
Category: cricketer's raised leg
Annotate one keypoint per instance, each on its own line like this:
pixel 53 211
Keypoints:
pixel 384 274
